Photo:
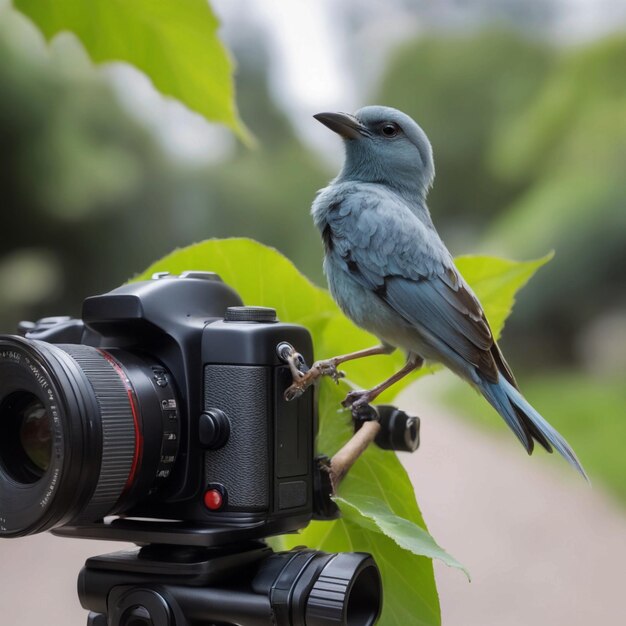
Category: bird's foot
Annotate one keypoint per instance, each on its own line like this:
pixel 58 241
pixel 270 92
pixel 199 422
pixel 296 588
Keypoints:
pixel 359 403
pixel 303 382
pixel 303 377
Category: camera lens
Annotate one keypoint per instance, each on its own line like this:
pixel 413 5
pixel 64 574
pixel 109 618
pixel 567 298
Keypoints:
pixel 84 433
pixel 25 436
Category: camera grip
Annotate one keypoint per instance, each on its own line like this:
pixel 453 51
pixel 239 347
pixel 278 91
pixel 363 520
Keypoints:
pixel 242 465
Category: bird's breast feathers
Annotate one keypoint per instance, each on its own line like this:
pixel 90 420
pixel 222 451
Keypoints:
pixel 372 222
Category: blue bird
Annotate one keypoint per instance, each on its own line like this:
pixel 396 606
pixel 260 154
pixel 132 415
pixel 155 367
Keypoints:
pixel 391 274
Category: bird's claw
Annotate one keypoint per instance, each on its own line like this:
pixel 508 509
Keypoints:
pixel 293 392
pixel 356 398
pixel 303 380
pixel 359 403
pixel 298 366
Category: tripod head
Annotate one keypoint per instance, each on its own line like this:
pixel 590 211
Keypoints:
pixel 250 585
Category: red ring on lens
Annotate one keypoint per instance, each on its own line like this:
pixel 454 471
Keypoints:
pixel 138 452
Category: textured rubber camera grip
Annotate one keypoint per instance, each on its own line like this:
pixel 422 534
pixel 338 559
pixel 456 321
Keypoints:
pixel 242 465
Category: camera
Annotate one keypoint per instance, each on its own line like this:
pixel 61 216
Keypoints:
pixel 159 418
pixel 163 402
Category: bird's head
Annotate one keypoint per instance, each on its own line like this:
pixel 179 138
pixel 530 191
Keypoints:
pixel 383 145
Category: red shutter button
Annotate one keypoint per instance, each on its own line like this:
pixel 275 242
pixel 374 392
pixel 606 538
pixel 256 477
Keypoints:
pixel 213 499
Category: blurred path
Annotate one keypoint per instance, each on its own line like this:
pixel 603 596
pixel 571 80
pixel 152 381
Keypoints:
pixel 542 547
pixel 38 579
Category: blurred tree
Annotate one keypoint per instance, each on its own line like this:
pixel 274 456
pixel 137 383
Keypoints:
pixel 73 164
pixel 571 143
pixel 89 197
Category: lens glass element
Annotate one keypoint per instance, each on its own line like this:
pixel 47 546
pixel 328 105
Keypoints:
pixel 26 439
pixel 35 434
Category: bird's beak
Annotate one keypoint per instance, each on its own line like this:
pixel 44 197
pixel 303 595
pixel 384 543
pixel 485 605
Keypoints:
pixel 343 124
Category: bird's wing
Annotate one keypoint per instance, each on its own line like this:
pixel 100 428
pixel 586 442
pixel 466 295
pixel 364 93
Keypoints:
pixel 381 243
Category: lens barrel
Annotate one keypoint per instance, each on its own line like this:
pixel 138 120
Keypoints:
pixel 72 433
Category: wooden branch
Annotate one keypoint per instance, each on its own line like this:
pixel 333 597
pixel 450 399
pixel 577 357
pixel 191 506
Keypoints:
pixel 345 458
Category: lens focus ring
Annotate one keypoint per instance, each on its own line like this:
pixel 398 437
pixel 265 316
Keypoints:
pixel 118 428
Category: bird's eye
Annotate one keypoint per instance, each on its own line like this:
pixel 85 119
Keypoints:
pixel 389 129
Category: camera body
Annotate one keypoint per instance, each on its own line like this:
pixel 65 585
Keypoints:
pixel 191 427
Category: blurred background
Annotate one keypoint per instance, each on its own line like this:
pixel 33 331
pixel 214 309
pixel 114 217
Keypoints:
pixel 525 105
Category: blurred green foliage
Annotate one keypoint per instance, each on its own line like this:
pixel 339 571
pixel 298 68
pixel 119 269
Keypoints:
pixel 528 144
pixel 571 144
pixel 74 167
pixel 88 195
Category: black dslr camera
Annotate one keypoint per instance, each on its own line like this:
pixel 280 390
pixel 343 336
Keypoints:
pixel 164 401
pixel 159 418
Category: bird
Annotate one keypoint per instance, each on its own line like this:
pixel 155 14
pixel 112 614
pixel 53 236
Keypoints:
pixel 390 272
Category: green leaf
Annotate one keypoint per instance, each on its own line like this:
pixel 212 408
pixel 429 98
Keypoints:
pixel 373 514
pixel 496 281
pixel 381 515
pixel 174 42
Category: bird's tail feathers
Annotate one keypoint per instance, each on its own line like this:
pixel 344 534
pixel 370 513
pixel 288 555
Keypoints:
pixel 527 424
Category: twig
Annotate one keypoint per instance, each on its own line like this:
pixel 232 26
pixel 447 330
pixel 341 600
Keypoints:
pixel 345 458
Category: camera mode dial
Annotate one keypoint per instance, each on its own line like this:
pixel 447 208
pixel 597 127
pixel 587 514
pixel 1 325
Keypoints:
pixel 212 276
pixel 250 314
